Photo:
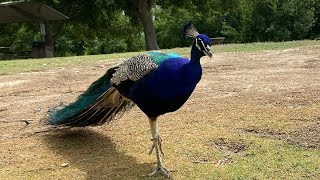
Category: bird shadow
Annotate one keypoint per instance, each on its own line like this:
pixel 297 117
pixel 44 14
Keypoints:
pixel 95 155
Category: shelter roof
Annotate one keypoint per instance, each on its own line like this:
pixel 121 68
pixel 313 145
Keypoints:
pixel 28 11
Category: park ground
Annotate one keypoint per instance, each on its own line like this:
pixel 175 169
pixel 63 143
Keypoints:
pixel 254 115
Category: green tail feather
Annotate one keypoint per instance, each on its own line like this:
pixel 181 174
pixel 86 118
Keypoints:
pixel 96 89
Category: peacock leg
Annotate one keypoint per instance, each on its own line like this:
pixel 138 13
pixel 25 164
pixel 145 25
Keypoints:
pixel 157 145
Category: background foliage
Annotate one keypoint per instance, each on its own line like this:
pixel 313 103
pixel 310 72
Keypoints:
pixel 104 26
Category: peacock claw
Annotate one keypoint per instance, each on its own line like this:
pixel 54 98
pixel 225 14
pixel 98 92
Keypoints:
pixel 160 170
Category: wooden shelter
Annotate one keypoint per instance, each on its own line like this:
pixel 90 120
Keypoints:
pixel 28 11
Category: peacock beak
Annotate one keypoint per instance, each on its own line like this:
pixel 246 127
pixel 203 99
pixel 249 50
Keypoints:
pixel 208 51
pixel 209 54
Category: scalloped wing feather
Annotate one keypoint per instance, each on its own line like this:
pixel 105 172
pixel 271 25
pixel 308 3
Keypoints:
pixel 138 66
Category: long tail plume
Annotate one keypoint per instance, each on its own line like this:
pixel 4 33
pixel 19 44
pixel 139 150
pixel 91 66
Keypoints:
pixel 99 104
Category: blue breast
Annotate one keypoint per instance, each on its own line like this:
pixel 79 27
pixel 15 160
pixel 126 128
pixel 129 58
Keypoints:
pixel 168 87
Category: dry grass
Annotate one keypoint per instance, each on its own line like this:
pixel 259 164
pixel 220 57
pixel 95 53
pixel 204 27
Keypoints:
pixel 254 115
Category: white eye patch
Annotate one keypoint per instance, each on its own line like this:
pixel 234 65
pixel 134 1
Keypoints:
pixel 201 45
pixel 197 45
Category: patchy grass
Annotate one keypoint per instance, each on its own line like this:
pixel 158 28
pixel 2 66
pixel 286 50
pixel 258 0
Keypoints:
pixel 27 65
pixel 274 159
pixel 252 116
pixel 264 46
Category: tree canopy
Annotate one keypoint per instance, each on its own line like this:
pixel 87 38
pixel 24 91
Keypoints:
pixel 107 26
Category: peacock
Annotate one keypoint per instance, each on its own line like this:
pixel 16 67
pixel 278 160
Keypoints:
pixel 157 82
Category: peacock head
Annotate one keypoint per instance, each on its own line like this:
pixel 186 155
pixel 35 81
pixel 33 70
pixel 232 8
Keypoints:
pixel 201 43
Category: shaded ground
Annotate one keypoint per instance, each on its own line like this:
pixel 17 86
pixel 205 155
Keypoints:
pixel 243 100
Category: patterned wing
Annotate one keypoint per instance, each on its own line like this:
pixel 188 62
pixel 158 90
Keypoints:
pixel 133 69
pixel 138 66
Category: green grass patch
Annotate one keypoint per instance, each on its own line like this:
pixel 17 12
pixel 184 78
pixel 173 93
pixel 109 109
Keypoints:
pixel 27 65
pixel 273 159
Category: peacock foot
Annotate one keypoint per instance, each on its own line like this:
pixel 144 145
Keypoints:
pixel 160 170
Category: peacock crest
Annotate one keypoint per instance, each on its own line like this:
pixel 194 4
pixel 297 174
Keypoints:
pixel 190 31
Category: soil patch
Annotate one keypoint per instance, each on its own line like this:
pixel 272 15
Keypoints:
pixel 224 144
pixel 306 136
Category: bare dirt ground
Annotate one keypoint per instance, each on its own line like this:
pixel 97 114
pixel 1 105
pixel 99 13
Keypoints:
pixel 237 92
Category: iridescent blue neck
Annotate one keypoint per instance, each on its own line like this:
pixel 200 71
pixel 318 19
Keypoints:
pixel 195 54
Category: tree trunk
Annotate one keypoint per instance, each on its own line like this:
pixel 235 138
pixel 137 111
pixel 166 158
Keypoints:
pixel 143 10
